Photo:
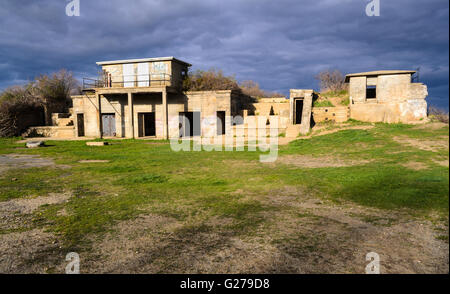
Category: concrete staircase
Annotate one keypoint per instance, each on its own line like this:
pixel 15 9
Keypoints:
pixel 62 127
pixel 292 131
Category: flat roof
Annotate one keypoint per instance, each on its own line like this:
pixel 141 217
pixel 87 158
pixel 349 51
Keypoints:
pixel 378 73
pixel 169 58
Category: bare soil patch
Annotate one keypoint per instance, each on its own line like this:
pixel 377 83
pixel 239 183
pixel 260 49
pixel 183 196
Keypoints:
pixel 427 145
pixel 317 162
pixel 16 214
pixel 415 165
pixel 431 126
pixel 33 251
pixel 12 161
pixel 442 162
pixel 302 234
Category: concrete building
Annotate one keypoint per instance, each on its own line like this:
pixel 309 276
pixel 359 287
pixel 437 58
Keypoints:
pixel 386 96
pixel 144 98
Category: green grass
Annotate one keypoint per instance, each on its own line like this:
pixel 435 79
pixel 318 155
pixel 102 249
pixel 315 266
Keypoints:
pixel 323 103
pixel 195 186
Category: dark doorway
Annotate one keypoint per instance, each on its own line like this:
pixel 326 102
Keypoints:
pixel 109 124
pixel 371 92
pixel 298 111
pixel 80 124
pixel 220 123
pixel 190 124
pixel 147 124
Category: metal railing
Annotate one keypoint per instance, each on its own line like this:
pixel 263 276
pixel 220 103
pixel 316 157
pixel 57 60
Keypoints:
pixel 129 81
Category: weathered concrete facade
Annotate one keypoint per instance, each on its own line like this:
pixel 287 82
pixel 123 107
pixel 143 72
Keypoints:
pixel 144 98
pixel 336 114
pixel 386 96
pixel 300 108
pixel 206 103
pixel 279 106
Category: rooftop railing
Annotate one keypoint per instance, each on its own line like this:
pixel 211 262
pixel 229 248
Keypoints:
pixel 128 81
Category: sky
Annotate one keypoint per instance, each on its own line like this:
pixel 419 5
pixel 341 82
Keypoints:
pixel 280 44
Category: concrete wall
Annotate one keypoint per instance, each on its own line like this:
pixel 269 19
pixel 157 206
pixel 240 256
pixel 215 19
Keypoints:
pixel 158 70
pixel 280 109
pixel 206 102
pixel 337 114
pixel 397 99
pixel 307 96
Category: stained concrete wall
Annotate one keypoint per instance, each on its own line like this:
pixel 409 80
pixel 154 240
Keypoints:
pixel 307 96
pixel 280 108
pixel 156 69
pixel 206 102
pixel 397 99
pixel 337 114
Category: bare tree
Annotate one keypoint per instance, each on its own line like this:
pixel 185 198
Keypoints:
pixel 22 105
pixel 438 114
pixel 331 81
pixel 15 102
pixel 54 92
pixel 251 88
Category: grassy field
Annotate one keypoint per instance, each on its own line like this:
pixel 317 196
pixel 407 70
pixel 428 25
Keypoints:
pixel 388 174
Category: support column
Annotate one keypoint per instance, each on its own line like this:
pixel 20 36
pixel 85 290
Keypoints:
pixel 130 115
pixel 99 114
pixel 165 114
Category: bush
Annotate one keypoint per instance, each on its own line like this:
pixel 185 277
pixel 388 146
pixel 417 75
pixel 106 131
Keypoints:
pixel 15 104
pixel 331 81
pixel 251 88
pixel 209 80
pixel 215 80
pixel 438 114
pixel 33 103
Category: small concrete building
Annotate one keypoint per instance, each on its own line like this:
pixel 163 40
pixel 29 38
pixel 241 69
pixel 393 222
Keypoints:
pixel 144 98
pixel 386 96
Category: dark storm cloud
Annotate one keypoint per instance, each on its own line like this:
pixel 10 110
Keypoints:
pixel 280 44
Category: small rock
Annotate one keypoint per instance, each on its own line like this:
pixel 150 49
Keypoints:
pixel 35 144
pixel 14 179
pixel 96 143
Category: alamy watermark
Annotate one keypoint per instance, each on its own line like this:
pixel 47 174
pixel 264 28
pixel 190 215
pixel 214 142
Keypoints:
pixel 373 8
pixel 73 8
pixel 373 267
pixel 253 134
pixel 73 267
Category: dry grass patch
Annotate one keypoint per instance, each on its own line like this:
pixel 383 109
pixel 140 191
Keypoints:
pixel 427 145
pixel 317 162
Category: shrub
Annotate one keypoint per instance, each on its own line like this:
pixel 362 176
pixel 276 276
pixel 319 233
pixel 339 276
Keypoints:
pixel 331 81
pixel 209 80
pixel 33 103
pixel 438 114
pixel 251 88
pixel 15 104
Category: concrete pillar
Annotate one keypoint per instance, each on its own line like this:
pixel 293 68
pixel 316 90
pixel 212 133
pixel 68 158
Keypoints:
pixel 99 114
pixel 130 115
pixel 306 113
pixel 165 115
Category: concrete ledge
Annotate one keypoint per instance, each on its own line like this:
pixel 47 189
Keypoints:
pixel 96 143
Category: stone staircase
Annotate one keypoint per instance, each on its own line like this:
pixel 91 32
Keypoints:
pixel 292 131
pixel 62 127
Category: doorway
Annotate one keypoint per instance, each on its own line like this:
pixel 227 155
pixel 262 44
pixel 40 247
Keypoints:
pixel 190 124
pixel 220 123
pixel 109 124
pixel 298 111
pixel 80 124
pixel 147 126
